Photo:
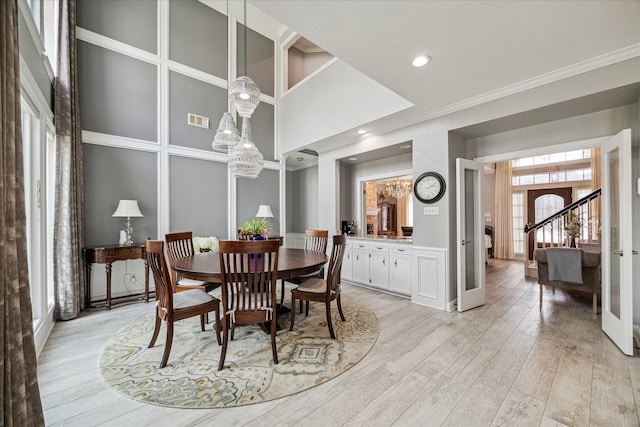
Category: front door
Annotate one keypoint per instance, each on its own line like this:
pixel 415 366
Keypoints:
pixel 470 234
pixel 617 232
pixel 541 204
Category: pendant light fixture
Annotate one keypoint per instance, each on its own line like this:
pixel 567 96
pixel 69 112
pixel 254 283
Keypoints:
pixel 227 136
pixel 244 93
pixel 245 160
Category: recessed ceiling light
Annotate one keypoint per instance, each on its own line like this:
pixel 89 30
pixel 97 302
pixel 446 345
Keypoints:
pixel 421 61
pixel 404 146
pixel 361 131
pixel 353 159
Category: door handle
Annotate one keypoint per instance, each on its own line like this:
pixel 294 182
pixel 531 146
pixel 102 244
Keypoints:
pixel 617 252
pixel 396 262
pixel 383 263
pixel 464 242
pixel 634 252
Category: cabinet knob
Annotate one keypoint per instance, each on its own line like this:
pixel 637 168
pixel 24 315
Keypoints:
pixel 396 262
pixel 383 262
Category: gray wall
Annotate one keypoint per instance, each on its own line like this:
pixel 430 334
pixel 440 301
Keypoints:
pixel 203 211
pixel 113 174
pixel 260 59
pixel 264 190
pixel 132 22
pixel 198 37
pixel 303 199
pixel 118 94
pixel 189 95
pixel 170 169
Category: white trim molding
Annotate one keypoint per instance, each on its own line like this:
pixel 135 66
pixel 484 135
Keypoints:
pixel 429 277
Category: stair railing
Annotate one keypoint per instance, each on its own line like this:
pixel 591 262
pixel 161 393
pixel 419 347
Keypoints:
pixel 586 209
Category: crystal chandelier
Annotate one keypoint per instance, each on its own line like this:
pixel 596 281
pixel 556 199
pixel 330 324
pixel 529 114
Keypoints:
pixel 245 160
pixel 398 188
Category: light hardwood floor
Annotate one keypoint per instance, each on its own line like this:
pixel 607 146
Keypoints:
pixel 506 363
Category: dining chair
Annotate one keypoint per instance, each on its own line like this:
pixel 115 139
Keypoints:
pixel 314 240
pixel 323 290
pixel 180 245
pixel 172 307
pixel 248 269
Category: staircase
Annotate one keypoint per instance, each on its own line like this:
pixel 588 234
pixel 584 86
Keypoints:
pixel 550 231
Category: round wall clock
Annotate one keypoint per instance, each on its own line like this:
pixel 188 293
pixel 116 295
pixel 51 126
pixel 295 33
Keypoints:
pixel 429 187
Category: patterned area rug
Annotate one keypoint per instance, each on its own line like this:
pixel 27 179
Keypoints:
pixel 307 356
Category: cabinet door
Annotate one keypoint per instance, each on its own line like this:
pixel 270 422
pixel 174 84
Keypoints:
pixel 361 267
pixel 379 270
pixel 400 274
pixel 347 266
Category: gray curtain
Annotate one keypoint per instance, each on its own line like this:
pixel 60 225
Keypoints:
pixel 18 377
pixel 68 230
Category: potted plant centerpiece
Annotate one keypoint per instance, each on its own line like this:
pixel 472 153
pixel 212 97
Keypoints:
pixel 256 229
pixel 572 229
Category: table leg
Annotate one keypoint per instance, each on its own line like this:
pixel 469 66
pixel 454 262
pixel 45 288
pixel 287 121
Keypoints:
pixel 87 284
pixel 107 267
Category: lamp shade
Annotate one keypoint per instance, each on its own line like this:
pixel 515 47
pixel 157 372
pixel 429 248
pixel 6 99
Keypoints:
pixel 128 208
pixel 264 211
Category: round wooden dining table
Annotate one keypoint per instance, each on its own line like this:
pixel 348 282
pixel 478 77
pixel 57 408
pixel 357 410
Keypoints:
pixel 291 263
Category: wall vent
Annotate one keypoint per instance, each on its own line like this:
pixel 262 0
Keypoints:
pixel 199 121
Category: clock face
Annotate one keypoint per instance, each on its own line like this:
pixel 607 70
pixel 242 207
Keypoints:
pixel 429 187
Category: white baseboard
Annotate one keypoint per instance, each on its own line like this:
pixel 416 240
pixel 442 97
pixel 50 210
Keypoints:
pixel 452 305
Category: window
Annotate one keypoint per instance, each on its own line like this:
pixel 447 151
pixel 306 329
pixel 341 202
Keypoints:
pixel 518 222
pixel 551 177
pixel 546 159
pixel 31 152
pixel 545 206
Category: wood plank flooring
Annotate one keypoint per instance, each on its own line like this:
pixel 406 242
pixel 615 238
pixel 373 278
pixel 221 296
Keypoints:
pixel 505 363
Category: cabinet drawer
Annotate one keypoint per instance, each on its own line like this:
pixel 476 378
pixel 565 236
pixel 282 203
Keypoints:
pixel 400 250
pixel 379 247
pixel 361 246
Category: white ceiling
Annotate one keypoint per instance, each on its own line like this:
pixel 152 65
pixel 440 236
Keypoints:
pixel 479 49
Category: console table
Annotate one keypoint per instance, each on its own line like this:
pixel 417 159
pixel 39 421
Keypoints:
pixel 107 255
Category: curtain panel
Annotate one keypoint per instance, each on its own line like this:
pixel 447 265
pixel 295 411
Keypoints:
pixel 503 231
pixel 68 230
pixel 19 390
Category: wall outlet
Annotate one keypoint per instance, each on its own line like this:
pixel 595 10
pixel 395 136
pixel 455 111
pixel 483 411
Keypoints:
pixel 432 210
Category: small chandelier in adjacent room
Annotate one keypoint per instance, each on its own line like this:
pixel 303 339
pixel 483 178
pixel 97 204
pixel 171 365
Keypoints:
pixel 398 188
pixel 245 160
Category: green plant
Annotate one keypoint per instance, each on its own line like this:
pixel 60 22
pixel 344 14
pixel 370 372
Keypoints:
pixel 573 227
pixel 255 227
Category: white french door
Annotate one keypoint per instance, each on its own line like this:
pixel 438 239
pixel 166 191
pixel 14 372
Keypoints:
pixel 470 234
pixel 617 232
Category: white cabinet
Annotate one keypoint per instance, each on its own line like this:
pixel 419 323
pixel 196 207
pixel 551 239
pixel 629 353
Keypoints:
pixel 361 266
pixel 400 270
pixel 347 264
pixel 379 266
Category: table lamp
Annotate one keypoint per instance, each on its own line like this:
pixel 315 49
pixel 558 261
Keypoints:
pixel 128 209
pixel 264 211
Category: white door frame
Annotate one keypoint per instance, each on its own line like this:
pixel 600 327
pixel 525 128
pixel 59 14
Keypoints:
pixel 470 298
